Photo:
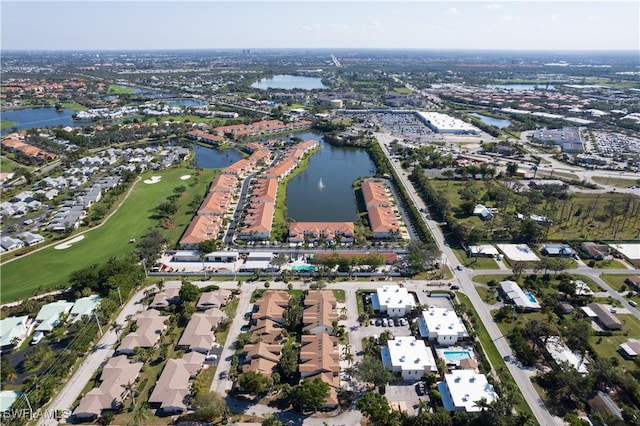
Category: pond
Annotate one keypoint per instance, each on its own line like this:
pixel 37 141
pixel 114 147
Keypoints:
pixel 214 158
pixel 289 82
pixel 323 192
pixel 497 122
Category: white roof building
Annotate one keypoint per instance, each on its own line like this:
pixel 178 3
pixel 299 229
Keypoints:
pixel 409 357
pixel 393 300
pixel 49 315
pixel 13 331
pixel 462 389
pixel 441 325
pixel 521 299
pixel 442 123
pixel 483 250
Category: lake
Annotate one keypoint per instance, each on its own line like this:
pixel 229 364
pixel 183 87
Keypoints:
pixel 522 87
pixel 186 102
pixel 289 82
pixel 214 158
pixel 38 117
pixel 497 122
pixel 334 200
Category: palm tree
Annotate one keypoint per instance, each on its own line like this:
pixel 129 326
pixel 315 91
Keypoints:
pixel 117 328
pixel 130 389
pixel 343 311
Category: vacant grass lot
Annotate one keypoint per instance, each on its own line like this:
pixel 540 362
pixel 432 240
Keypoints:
pixel 582 217
pixel 50 268
pixel 7 165
pixel 617 182
pixel 475 262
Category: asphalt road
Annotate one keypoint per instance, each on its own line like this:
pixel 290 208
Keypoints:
pixel 520 375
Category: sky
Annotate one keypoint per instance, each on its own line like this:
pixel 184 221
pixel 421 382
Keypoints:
pixel 308 24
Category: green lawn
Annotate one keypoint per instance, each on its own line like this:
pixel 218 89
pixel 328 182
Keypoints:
pixel 5 124
pixel 74 106
pixel 114 89
pixel 607 264
pixel 488 297
pixel 340 296
pixel 475 262
pixel 50 268
pixel 7 165
pixel 484 279
pixel 616 281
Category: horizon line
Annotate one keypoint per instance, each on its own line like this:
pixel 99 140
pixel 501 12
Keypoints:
pixel 458 49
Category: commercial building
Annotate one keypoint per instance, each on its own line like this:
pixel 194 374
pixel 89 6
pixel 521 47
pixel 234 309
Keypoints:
pixel 442 123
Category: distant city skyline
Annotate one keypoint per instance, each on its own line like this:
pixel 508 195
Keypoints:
pixel 306 24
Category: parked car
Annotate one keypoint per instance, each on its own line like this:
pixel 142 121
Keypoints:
pixel 455 287
pixel 385 322
pixel 632 303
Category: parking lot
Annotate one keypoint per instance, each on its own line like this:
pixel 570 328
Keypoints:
pixel 407 395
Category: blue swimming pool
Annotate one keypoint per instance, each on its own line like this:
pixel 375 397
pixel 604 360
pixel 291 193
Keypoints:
pixel 304 268
pixel 531 298
pixel 456 355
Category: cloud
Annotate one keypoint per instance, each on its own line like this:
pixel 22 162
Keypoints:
pixel 452 11
pixel 511 18
pixel 554 18
pixel 493 6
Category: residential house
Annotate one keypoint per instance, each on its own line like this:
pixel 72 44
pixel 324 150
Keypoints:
pixel 319 312
pixel 442 326
pixel 462 389
pixel 393 300
pixel 13 331
pixel 408 357
pixel 116 374
pixel 596 251
pixel 168 296
pixel 150 325
pixel 172 390
pixel 198 334
pixel 603 316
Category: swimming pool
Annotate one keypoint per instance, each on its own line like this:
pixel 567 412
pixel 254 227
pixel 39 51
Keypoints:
pixel 456 355
pixel 531 298
pixel 303 268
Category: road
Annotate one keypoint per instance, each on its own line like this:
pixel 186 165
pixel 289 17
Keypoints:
pixel 521 376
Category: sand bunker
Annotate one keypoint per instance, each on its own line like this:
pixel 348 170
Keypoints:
pixel 185 177
pixel 154 179
pixel 68 244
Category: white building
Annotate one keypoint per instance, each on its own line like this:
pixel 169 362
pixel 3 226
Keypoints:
pixel 393 300
pixel 441 325
pixel 442 123
pixel 409 357
pixel 513 292
pixel 462 389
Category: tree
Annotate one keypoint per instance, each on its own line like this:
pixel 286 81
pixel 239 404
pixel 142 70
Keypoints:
pixel 512 169
pixel 293 314
pixel 372 370
pixel 310 395
pixel 271 421
pixel 374 407
pixel 208 246
pixel 130 390
pixel 189 292
pixel 209 407
pixel 254 383
pixel 289 360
